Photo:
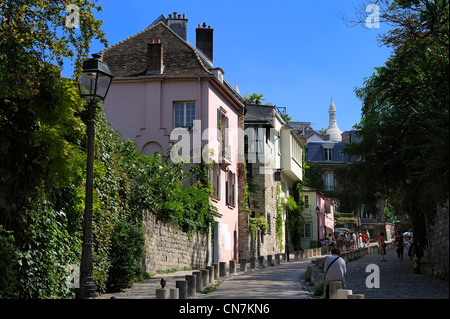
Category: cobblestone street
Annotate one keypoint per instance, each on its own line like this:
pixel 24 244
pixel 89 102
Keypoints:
pixel 397 280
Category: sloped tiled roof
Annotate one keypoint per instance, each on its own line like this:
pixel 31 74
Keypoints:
pixel 128 58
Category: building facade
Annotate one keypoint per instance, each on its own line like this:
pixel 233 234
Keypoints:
pixel 273 155
pixel 166 91
pixel 319 218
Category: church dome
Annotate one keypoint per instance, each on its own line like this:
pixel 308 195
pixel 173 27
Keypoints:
pixel 333 130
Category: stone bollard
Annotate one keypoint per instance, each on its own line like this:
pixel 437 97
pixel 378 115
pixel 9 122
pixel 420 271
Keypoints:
pixel 356 296
pixel 162 293
pixel 253 263
pixel 222 269
pixel 210 274
pixel 174 293
pixel 261 261
pixel 232 267
pixel 198 280
pixel 276 260
pixel 182 288
pixel 243 263
pixel 216 271
pixel 269 260
pixel 205 278
pixel 333 287
pixel 343 293
pixel 191 281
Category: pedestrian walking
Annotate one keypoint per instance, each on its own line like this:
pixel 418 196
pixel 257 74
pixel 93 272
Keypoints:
pixel 367 237
pixel 381 246
pixel 334 270
pixel 398 244
pixel 363 238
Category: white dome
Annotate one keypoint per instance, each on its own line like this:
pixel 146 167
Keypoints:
pixel 333 130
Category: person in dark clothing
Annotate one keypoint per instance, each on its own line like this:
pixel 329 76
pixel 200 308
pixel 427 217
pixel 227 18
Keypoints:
pixel 398 244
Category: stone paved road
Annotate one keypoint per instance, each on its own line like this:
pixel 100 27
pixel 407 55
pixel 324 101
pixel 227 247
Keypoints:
pixel 397 280
pixel 282 282
pixel 273 282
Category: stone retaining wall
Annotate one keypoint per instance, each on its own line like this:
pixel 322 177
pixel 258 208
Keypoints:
pixel 169 248
pixel 438 243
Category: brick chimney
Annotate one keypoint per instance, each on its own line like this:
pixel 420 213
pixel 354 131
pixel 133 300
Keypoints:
pixel 178 24
pixel 154 57
pixel 204 40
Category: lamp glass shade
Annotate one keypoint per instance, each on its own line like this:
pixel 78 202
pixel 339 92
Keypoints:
pixel 95 80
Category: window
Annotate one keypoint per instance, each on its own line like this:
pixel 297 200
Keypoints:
pixel 230 193
pixel 307 230
pixel 223 137
pixel 328 179
pixel 214 177
pixel 306 201
pixel 328 154
pixel 183 114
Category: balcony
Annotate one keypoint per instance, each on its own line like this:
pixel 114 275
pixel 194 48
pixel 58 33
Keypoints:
pixel 291 154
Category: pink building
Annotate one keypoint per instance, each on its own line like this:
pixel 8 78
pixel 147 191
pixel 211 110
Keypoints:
pixel 319 215
pixel 164 89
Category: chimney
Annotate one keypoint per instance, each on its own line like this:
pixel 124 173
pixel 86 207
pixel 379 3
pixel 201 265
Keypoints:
pixel 178 24
pixel 204 40
pixel 154 57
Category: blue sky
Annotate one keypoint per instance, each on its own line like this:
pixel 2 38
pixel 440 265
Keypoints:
pixel 298 54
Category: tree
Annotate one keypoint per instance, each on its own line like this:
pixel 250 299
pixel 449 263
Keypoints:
pixel 40 123
pixel 405 113
pixel 254 99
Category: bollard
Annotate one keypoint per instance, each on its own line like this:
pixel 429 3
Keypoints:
pixel 343 293
pixel 261 261
pixel 174 293
pixel 243 263
pixel 216 271
pixel 232 267
pixel 205 278
pixel 222 269
pixel 253 263
pixel 269 260
pixel 191 281
pixel 356 296
pixel 182 288
pixel 211 274
pixel 162 293
pixel 333 287
pixel 198 280
pixel 277 259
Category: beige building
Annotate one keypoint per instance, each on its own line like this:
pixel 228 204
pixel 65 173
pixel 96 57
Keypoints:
pixel 273 154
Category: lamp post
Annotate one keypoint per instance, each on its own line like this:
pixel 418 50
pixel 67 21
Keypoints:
pixel 94 85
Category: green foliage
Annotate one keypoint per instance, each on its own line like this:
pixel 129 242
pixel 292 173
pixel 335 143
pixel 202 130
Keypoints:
pixel 9 279
pixel 405 115
pixel 254 99
pixel 127 242
pixel 279 218
pixel 45 250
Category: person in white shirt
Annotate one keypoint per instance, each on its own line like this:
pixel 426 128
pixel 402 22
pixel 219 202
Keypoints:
pixel 334 269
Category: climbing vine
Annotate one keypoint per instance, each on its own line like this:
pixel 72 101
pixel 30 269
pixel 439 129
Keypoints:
pixel 279 218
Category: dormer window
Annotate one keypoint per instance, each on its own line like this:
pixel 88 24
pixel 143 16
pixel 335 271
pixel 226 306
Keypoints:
pixel 327 152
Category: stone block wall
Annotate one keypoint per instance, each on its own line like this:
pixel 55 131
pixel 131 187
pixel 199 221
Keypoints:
pixel 263 203
pixel 168 248
pixel 438 241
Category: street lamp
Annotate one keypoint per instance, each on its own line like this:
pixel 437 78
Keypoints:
pixel 94 85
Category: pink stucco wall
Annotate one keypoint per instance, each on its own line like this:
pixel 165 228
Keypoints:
pixel 324 220
pixel 142 110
